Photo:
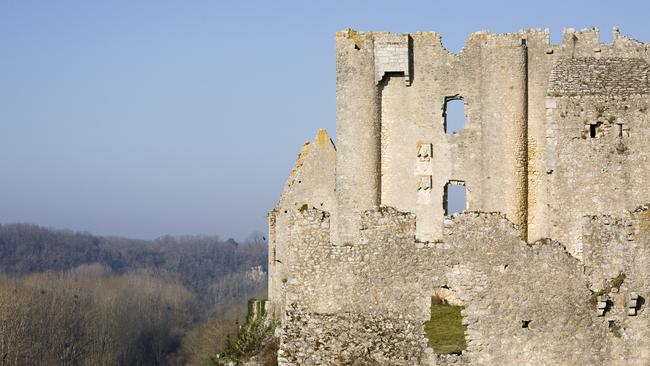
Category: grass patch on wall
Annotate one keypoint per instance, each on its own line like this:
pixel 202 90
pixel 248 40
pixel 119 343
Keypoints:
pixel 616 282
pixel 445 331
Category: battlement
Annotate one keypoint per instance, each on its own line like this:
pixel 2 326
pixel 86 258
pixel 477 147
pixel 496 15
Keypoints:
pixel 587 37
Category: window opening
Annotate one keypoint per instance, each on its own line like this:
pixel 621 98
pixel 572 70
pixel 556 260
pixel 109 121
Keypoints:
pixel 455 197
pixel 454 115
pixel 594 128
pixel 445 330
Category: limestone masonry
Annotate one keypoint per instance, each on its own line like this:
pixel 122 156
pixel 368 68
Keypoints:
pixel 551 258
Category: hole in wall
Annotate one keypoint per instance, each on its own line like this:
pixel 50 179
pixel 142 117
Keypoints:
pixel 445 330
pixel 455 197
pixel 593 129
pixel 615 327
pixel 639 302
pixel 525 323
pixel 453 114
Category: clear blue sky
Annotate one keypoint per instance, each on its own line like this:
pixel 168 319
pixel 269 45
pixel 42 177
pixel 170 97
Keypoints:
pixel 144 118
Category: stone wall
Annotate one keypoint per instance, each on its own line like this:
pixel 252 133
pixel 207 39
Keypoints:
pixel 489 76
pixel 391 95
pixel 502 280
pixel 618 247
pixel 310 183
pixel 596 160
pixel 350 339
pixel 593 76
pixel 357 131
pixel 554 146
pixel 582 75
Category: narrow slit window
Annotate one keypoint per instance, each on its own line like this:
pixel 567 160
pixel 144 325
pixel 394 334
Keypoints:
pixel 454 115
pixel 455 198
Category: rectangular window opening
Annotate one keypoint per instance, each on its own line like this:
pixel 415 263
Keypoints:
pixel 455 198
pixel 454 114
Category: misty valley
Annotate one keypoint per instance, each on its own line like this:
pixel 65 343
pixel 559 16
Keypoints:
pixel 70 298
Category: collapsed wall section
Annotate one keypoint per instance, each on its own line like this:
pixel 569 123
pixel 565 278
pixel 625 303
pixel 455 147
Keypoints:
pixel 310 184
pixel 309 338
pixel 503 282
pixel 616 259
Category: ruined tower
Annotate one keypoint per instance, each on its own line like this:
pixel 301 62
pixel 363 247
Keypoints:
pixel 554 146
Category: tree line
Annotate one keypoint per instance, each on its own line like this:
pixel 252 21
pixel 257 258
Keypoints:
pixel 69 298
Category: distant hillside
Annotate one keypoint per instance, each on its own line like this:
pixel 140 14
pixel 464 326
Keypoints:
pixel 207 266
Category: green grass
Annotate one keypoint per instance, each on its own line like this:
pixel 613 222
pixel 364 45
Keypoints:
pixel 445 331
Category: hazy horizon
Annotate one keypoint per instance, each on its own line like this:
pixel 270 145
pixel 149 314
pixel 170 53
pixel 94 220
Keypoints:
pixel 153 118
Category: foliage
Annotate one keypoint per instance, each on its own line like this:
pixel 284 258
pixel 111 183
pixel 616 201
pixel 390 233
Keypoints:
pixel 445 331
pixel 212 337
pixel 252 338
pixel 70 319
pixel 197 262
pixel 74 298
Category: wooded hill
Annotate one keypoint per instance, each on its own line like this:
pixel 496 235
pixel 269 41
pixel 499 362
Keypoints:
pixel 75 298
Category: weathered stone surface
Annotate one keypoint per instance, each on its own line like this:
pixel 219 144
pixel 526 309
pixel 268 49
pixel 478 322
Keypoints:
pixel 592 76
pixel 554 146
pixel 350 339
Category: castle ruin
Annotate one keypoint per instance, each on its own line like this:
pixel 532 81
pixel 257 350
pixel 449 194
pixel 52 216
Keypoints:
pixel 550 259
